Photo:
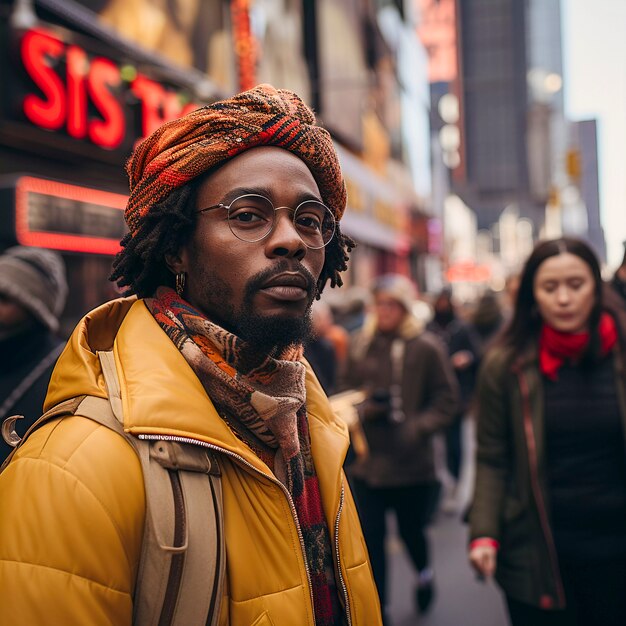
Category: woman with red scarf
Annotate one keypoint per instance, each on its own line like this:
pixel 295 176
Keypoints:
pixel 548 518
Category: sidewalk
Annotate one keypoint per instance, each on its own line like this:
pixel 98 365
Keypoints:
pixel 461 600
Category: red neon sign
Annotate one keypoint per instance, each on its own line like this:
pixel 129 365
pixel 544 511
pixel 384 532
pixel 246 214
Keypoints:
pixel 49 112
pixel 66 99
pixel 109 132
pixel 81 211
pixel 468 271
pixel 77 64
pixel 157 104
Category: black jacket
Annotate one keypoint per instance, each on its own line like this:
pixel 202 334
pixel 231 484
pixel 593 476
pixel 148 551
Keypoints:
pixel 19 356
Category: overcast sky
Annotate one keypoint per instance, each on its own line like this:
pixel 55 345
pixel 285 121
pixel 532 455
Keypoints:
pixel 594 55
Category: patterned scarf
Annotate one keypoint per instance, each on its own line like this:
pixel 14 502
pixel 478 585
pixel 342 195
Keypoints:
pixel 262 400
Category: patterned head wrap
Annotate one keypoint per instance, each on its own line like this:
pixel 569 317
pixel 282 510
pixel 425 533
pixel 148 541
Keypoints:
pixel 184 148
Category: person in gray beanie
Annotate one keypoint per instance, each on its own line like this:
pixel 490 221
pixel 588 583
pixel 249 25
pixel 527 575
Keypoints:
pixel 33 290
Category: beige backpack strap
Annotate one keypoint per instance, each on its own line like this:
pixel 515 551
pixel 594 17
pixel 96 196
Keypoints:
pixel 200 585
pixel 182 564
pixel 107 362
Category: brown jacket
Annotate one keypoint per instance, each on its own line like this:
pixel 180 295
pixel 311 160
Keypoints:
pixel 400 452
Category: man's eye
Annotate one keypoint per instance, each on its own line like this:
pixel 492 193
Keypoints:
pixel 247 216
pixel 311 222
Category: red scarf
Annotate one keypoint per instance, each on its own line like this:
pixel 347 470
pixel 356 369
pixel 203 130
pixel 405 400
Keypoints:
pixel 555 347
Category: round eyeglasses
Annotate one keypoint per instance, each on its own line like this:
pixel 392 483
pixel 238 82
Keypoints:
pixel 252 217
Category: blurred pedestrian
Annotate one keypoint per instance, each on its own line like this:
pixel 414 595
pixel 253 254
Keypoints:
pixel 337 335
pixel 619 278
pixel 33 290
pixel 410 395
pixel 351 307
pixel 485 321
pixel 548 516
pixel 463 353
pixel 319 350
pixel 511 287
pixel 189 401
pixel 445 320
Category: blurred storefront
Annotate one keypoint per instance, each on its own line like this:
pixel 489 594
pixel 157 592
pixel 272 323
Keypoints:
pixel 84 80
pixel 378 218
pixel 77 94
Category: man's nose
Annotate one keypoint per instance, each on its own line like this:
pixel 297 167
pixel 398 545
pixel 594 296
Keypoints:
pixel 284 239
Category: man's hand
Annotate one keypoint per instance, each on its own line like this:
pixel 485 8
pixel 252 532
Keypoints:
pixel 482 558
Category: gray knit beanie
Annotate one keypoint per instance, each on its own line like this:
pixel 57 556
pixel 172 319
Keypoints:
pixel 35 278
pixel 397 286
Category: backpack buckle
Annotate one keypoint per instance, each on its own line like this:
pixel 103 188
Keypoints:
pixel 9 434
pixel 187 457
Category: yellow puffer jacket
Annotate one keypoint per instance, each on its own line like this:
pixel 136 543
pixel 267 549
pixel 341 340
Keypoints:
pixel 73 504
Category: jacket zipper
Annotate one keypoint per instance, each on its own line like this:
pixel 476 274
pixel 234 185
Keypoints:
pixel 254 469
pixel 534 477
pixel 341 580
pixel 178 560
pixel 211 618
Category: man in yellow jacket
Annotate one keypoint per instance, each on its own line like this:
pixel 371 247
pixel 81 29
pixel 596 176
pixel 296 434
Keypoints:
pixel 233 220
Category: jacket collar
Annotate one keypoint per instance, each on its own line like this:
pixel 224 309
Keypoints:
pixel 161 395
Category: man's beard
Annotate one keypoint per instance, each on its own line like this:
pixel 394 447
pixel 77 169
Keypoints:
pixel 267 334
pixel 273 334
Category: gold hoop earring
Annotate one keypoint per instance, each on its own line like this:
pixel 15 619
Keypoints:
pixel 180 283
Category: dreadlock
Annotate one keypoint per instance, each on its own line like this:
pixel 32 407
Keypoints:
pixel 140 265
pixel 336 261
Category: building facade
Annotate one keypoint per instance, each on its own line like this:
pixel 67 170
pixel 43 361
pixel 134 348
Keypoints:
pixel 515 137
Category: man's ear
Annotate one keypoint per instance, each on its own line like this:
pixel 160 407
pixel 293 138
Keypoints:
pixel 176 262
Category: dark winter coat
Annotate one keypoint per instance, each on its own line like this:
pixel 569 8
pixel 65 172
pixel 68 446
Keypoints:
pixel 401 452
pixel 19 357
pixel 511 500
pixel 619 286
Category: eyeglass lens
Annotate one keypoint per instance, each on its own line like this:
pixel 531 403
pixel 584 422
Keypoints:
pixel 251 218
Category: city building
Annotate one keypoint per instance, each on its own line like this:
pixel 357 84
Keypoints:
pixel 582 169
pixel 514 133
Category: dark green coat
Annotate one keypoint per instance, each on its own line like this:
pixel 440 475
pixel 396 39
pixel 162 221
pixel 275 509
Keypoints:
pixel 511 501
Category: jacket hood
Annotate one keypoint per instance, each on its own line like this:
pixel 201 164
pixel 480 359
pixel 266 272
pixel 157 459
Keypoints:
pixel 77 371
pixel 161 395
